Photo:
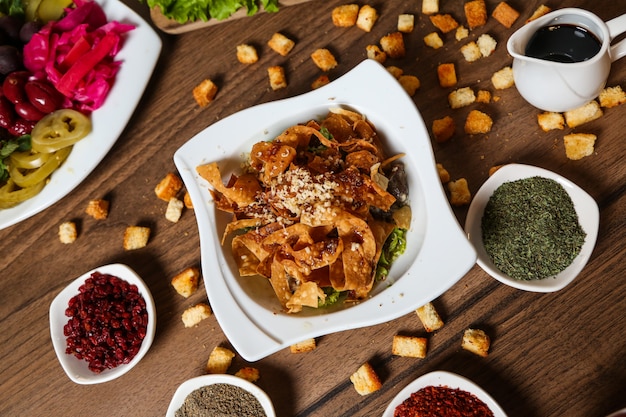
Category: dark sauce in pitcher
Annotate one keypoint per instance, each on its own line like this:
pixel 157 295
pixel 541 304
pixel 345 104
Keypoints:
pixel 563 43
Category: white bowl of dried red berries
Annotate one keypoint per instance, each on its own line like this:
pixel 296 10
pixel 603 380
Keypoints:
pixel 102 324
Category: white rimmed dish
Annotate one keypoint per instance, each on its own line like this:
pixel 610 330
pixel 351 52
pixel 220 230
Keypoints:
pixel 586 209
pixel 139 55
pixel 193 384
pixel 247 309
pixel 76 369
pixel 446 379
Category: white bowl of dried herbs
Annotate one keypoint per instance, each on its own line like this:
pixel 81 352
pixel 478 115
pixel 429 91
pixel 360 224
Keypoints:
pixel 532 229
pixel 220 394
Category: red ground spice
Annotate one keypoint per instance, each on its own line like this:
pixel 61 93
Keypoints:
pixel 441 401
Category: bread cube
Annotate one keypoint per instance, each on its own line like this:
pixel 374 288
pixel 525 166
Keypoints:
pixel 67 232
pixel 281 44
pixel 505 14
pixel 444 22
pixel 345 15
pixel 174 210
pixel 446 74
pixel 186 282
pixel 409 346
pixel 444 175
pixel 98 209
pixel 320 81
pixel 168 187
pixel 486 44
pixel 136 237
pixel 410 83
pixel 478 122
pixel 612 96
pixel 471 51
pixel 483 96
pixel 307 345
pixel 503 78
pixel 396 72
pixel 374 52
pixel 194 315
pixel 461 33
pixel 366 18
pixel 430 6
pixel 476 341
pixel 406 23
pixel 475 13
pixel 220 360
pixel 276 75
pixel 248 373
pixel 393 45
pixel 579 145
pixel 583 114
pixel 539 11
pixel 429 317
pixel 461 97
pixel 205 92
pixel 433 40
pixel 550 121
pixel 365 380
pixel 324 59
pixel 247 54
pixel 459 192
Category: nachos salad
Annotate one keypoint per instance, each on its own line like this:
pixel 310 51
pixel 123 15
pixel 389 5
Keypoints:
pixel 320 211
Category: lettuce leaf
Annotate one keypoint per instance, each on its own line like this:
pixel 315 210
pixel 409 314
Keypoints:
pixel 184 11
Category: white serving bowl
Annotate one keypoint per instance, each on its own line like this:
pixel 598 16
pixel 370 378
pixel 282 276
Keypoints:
pixel 247 308
pixel 76 369
pixel 586 209
pixel 193 384
pixel 446 379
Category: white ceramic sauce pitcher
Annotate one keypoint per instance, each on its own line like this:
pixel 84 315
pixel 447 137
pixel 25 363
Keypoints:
pixel 558 86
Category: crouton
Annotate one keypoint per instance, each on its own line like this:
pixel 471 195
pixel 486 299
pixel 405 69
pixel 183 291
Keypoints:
pixel 303 346
pixel 475 13
pixel 612 96
pixel 220 360
pixel 430 6
pixel 365 380
pixel 396 72
pixel 174 210
pixel 433 40
pixel 320 81
pixel 406 23
pixel 444 175
pixel 443 129
pixel 345 15
pixel 187 200
pixel 248 373
pixel 550 121
pixel 276 75
pixel 459 192
pixel 429 317
pixel 98 209
pixel 505 14
pixel 486 44
pixel 393 45
pixel 136 237
pixel 194 315
pixel 281 44
pixel 539 11
pixel 579 145
pixel 471 51
pixel 446 74
pixel 410 83
pixel 205 92
pixel 483 96
pixel 366 18
pixel 461 33
pixel 324 59
pixel 493 169
pixel 461 97
pixel 409 346
pixel 168 187
pixel 476 341
pixel 67 232
pixel 503 78
pixel 374 52
pixel 444 22
pixel 478 122
pixel 247 54
pixel 583 114
pixel 186 282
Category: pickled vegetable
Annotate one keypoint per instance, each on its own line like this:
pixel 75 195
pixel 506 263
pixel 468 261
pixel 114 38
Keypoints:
pixel 59 129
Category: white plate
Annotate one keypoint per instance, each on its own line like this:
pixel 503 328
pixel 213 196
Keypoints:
pixel 76 369
pixel 450 380
pixel 586 209
pixel 193 384
pixel 139 55
pixel 247 308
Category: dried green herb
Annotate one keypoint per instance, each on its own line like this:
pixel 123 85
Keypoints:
pixel 530 228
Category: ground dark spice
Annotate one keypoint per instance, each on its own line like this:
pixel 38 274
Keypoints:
pixel 221 400
pixel 441 401
pixel 530 228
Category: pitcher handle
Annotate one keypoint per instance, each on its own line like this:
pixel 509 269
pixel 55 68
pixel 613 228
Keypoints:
pixel 616 27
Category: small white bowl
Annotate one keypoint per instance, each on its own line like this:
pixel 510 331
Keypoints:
pixel 76 369
pixel 586 209
pixel 193 384
pixel 447 379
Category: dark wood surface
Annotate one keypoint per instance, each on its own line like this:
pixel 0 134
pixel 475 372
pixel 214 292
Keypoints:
pixel 559 354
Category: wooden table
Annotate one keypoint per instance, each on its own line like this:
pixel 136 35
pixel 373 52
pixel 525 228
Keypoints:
pixel 559 354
